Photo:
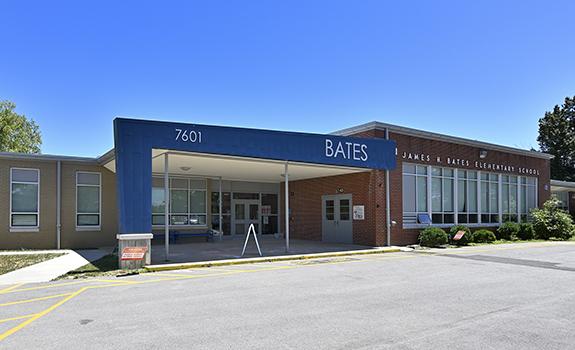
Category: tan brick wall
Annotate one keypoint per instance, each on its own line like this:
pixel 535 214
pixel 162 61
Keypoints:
pixel 106 236
pixel 46 237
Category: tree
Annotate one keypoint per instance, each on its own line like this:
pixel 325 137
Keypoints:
pixel 557 137
pixel 17 133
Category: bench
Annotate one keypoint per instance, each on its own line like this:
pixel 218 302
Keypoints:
pixel 175 234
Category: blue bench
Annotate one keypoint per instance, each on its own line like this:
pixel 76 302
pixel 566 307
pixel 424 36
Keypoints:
pixel 174 235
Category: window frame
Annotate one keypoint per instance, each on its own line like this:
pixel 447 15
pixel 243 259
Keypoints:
pixel 19 228
pixel 89 227
pixel 526 183
pixel 188 214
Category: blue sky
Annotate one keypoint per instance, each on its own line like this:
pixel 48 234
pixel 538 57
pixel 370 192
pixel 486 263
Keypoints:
pixel 484 70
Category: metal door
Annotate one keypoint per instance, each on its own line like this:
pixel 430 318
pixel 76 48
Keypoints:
pixel 337 224
pixel 245 212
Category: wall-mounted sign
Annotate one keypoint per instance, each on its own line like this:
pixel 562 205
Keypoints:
pixel 467 163
pixel 358 212
pixel 266 210
pixel 134 253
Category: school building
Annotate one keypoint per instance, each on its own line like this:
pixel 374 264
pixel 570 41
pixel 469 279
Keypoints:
pixel 374 184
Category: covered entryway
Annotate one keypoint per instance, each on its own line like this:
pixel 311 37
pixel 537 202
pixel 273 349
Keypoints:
pixel 173 177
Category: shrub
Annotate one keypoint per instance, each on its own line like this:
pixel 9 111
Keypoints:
pixel 508 231
pixel 432 237
pixel 466 237
pixel 483 236
pixel 526 231
pixel 552 222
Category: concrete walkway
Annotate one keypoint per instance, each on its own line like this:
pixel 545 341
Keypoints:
pixel 53 268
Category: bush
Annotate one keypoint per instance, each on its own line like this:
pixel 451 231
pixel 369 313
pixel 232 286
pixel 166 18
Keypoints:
pixel 432 237
pixel 508 231
pixel 466 237
pixel 483 236
pixel 526 231
pixel 552 222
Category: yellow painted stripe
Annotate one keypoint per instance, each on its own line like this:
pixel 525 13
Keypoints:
pixel 11 287
pixel 16 318
pixel 46 287
pixel 40 314
pixel 35 299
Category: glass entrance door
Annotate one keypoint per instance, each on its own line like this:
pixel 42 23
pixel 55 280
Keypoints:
pixel 246 212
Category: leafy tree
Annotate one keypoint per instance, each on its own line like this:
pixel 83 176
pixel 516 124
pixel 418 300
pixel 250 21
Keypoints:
pixel 17 133
pixel 557 137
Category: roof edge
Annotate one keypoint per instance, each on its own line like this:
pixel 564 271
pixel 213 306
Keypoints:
pixel 53 157
pixel 561 183
pixel 375 125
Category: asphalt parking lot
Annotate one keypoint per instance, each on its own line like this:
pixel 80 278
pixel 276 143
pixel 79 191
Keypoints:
pixel 488 297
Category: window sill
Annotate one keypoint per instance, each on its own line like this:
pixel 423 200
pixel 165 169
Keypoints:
pixel 181 226
pixel 24 229
pixel 88 228
pixel 421 226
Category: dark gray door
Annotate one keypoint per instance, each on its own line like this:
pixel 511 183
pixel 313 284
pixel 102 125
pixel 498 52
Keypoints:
pixel 337 225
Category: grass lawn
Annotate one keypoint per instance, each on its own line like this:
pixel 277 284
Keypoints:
pixel 17 261
pixel 105 266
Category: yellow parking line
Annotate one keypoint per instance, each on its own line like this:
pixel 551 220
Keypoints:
pixel 45 287
pixel 35 299
pixel 11 287
pixel 16 318
pixel 40 314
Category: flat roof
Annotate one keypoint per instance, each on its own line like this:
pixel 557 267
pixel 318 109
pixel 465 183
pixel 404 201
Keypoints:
pixel 562 185
pixel 47 157
pixel 375 125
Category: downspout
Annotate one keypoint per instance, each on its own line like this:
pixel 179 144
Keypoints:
pixel 58 204
pixel 387 201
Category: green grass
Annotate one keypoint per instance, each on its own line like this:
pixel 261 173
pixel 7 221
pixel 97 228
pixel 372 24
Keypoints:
pixel 105 266
pixel 17 261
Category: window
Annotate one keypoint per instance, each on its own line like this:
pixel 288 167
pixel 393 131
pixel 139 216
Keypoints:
pixel 24 198
pixel 88 193
pixel 188 202
pixel 509 198
pixel 442 196
pixel 562 196
pixel 476 197
pixel 489 197
pixel 226 212
pixel 414 192
pixel 528 195
pixel 467 197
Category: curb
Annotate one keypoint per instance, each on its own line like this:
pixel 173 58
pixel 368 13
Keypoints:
pixel 192 265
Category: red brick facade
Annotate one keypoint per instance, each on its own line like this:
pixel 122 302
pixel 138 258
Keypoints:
pixel 368 188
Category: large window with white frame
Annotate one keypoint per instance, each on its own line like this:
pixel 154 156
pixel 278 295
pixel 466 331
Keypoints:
pixel 509 197
pixel 461 196
pixel 489 198
pixel 188 201
pixel 414 192
pixel 442 198
pixel 24 197
pixel 528 195
pixel 88 199
pixel 467 189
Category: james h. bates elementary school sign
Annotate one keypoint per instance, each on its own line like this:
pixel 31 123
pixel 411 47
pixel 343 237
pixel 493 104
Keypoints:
pixel 468 163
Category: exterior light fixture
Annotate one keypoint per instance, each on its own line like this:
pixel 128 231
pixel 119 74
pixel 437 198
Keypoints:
pixel 185 168
pixel 340 190
pixel 482 154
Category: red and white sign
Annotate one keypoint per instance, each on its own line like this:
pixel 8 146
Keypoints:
pixel 459 235
pixel 134 253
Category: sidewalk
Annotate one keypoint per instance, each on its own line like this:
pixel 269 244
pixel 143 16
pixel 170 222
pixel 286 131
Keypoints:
pixel 51 269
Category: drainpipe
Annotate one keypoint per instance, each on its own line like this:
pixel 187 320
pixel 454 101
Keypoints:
pixel 387 201
pixel 58 204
